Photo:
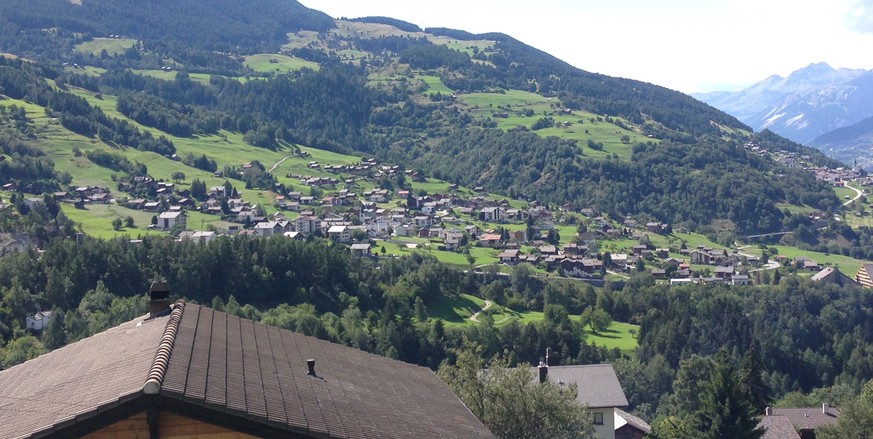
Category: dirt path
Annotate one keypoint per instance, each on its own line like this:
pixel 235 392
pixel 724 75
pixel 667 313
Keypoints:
pixel 276 165
pixel 858 192
pixel 475 317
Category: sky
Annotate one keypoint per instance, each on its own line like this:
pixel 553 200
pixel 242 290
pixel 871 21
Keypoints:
pixel 686 45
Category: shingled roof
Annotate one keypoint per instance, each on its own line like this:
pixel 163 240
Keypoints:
pixel 597 384
pixel 235 372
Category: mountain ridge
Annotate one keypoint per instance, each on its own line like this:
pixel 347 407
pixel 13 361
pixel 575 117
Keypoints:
pixel 585 139
pixel 805 105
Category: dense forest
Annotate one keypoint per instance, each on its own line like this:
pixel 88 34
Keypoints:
pixel 225 26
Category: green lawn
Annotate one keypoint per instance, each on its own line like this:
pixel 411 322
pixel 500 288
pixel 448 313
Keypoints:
pixel 619 335
pixel 96 220
pixel 456 310
pixel 794 209
pixel 112 46
pixel 277 63
pixel 435 85
pixel 170 75
pixel 844 193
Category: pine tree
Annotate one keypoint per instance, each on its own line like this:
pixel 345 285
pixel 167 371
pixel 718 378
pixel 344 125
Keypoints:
pixel 724 410
pixel 54 335
pixel 751 381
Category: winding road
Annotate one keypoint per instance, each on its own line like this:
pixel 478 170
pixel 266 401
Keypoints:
pixel 475 316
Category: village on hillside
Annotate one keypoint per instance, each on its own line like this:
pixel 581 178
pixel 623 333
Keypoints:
pixel 456 221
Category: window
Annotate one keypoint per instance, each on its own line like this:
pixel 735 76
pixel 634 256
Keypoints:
pixel 598 419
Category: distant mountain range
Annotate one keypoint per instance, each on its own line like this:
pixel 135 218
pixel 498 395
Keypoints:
pixel 817 105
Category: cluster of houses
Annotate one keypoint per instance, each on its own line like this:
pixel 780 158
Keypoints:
pixel 838 177
pixel 82 195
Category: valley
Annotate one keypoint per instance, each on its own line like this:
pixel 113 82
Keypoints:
pixel 425 195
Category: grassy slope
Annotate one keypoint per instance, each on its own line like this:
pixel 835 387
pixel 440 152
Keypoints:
pixel 113 46
pixel 456 311
pixel 515 102
pixel 283 64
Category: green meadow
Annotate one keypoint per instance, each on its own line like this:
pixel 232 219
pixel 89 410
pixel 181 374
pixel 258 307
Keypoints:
pixel 455 311
pixel 277 63
pixel 112 46
pixel 524 109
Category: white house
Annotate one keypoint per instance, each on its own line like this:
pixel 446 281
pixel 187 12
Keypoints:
pixel 38 321
pixel 169 220
pixel 339 233
pixel 597 388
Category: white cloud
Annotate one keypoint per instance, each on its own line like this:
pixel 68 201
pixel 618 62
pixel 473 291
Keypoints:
pixel 859 17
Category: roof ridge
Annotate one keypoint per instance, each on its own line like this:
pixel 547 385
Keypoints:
pixel 158 370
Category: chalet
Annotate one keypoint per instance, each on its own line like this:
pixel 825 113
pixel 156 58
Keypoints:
pixel 598 389
pixel 169 220
pixel 136 203
pixel 659 273
pixel 548 250
pixel 654 227
pixel 639 250
pixel 586 268
pixel 490 240
pixel 864 276
pixel 471 230
pixel 724 272
pixel 740 279
pixel 452 238
pixel 810 265
pixel 38 321
pixel 185 370
pixel 508 256
pixel 361 250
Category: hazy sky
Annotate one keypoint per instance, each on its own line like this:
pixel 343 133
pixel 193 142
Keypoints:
pixel 687 45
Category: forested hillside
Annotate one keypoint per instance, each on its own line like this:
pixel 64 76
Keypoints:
pixel 264 104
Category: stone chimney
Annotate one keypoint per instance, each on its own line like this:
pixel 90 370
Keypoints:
pixel 768 411
pixel 825 407
pixel 159 299
pixel 310 364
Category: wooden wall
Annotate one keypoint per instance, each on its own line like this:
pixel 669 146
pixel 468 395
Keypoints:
pixel 171 426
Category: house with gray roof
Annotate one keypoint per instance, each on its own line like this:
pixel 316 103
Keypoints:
pixel 804 420
pixel 187 370
pixel 597 388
